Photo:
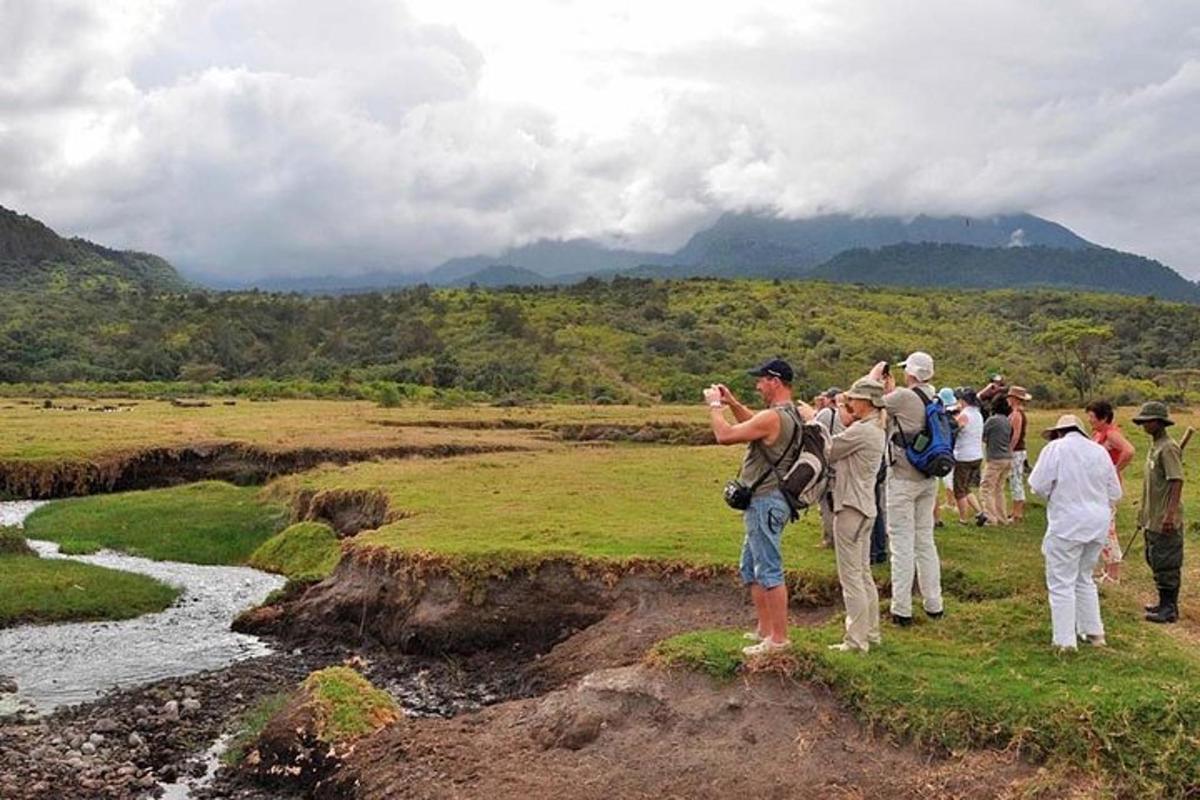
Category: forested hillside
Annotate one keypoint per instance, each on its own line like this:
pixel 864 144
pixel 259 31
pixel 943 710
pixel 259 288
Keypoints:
pixel 930 264
pixel 35 258
pixel 628 340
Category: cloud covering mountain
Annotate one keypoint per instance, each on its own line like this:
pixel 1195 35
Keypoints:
pixel 264 137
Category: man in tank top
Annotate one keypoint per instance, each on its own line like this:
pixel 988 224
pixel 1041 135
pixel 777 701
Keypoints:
pixel 767 434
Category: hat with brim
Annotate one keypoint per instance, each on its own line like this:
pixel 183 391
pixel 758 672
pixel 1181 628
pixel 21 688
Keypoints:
pixel 1019 393
pixel 867 389
pixel 1153 410
pixel 1067 422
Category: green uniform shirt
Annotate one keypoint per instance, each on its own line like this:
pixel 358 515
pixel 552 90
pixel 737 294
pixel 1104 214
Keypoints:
pixel 1164 463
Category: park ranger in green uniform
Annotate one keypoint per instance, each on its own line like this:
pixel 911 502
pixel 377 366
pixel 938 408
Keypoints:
pixel 1161 514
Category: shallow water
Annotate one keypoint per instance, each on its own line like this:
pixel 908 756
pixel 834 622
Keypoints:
pixel 57 665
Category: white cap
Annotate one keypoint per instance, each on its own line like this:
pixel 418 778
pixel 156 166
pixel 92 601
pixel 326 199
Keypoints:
pixel 919 365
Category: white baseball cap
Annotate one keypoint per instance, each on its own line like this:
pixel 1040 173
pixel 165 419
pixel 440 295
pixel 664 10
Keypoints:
pixel 919 365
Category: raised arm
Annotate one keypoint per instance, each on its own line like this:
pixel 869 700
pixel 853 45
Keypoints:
pixel 764 425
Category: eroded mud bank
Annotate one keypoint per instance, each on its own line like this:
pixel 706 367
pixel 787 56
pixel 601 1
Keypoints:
pixel 676 433
pixel 155 467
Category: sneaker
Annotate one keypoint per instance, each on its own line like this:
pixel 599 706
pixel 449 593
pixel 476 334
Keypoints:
pixel 939 524
pixel 903 622
pixel 981 519
pixel 765 647
pixel 752 636
pixel 1095 640
pixel 935 614
pixel 846 647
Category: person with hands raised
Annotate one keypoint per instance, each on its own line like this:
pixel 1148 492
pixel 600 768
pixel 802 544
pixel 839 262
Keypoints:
pixel 767 435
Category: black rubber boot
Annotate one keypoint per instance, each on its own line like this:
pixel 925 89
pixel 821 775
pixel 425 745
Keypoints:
pixel 1168 611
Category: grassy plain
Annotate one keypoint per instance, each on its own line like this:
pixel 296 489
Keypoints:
pixel 983 675
pixel 200 523
pixel 69 431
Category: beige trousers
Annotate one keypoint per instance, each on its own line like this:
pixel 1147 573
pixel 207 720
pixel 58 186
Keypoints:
pixel 852 544
pixel 995 473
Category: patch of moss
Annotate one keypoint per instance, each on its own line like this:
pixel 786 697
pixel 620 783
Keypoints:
pixel 346 705
pixel 304 552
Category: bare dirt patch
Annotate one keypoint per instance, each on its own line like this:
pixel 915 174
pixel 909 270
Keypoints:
pixel 637 732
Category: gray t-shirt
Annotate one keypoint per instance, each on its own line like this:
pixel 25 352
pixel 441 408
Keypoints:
pixel 997 438
pixel 760 457
pixel 906 413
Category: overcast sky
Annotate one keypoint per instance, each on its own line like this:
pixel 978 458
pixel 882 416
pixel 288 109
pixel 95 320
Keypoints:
pixel 257 137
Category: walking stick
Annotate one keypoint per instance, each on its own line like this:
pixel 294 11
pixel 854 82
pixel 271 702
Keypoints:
pixel 1183 441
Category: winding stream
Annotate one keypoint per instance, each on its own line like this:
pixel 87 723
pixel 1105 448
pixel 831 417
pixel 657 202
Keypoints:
pixel 64 664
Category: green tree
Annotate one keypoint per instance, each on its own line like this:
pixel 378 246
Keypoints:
pixel 1078 347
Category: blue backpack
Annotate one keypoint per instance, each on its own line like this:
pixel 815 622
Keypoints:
pixel 931 451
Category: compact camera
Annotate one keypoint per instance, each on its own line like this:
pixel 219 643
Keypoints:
pixel 738 495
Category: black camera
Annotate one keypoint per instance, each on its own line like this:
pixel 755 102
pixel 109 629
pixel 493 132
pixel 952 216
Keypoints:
pixel 738 495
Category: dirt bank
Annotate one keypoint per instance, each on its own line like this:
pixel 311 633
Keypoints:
pixel 238 463
pixel 422 603
pixel 636 732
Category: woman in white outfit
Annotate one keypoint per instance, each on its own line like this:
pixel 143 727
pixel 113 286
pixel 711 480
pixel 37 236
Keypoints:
pixel 1078 480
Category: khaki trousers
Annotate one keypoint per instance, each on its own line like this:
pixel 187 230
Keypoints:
pixel 852 544
pixel 995 473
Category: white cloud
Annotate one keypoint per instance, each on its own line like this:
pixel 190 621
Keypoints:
pixel 247 137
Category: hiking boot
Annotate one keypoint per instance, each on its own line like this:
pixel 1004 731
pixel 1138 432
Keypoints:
pixel 981 519
pixel 1163 614
pixel 1152 609
pixel 902 622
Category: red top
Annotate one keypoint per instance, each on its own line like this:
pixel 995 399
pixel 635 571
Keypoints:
pixel 1100 437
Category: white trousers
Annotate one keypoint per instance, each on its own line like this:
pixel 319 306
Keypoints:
pixel 910 534
pixel 1016 478
pixel 1074 601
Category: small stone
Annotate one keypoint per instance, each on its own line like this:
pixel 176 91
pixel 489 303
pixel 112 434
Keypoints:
pixel 188 691
pixel 96 738
pixel 135 740
pixel 106 725
pixel 191 705
pixel 128 769
pixel 73 753
pixel 239 697
pixel 170 706
pixel 88 749
pixel 75 763
pixel 141 711
pixel 146 781
pixel 7 685
pixel 75 741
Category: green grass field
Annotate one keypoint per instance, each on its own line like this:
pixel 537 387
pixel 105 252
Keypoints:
pixel 985 675
pixel 43 590
pixel 200 523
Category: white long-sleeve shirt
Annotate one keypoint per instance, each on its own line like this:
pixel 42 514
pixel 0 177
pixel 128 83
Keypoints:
pixel 1079 482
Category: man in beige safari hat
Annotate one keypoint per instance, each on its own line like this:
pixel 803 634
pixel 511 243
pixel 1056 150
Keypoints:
pixel 1161 513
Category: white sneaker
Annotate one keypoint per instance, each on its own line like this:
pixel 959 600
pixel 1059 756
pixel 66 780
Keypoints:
pixel 752 636
pixel 846 647
pixel 766 646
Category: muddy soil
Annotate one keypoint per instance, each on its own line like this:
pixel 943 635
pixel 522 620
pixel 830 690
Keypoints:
pixel 636 732
pixel 128 742
pixel 423 604
pixel 170 466
pixel 674 433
